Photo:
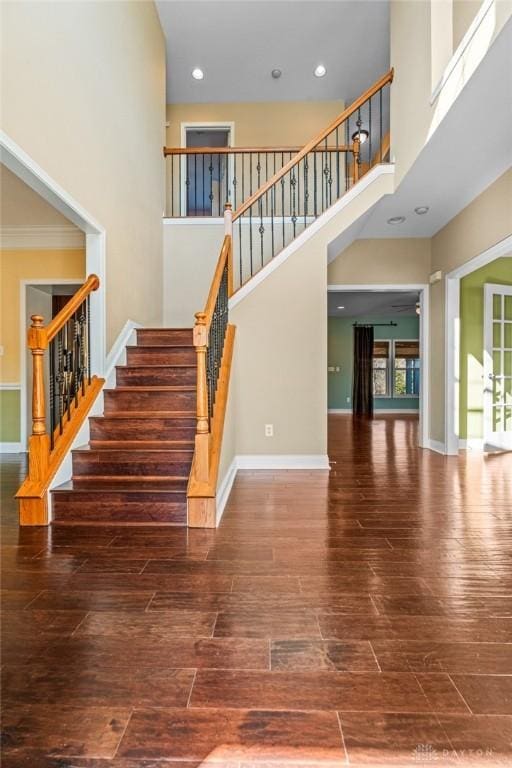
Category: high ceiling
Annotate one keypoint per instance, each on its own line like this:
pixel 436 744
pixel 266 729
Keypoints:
pixel 381 304
pixel 237 43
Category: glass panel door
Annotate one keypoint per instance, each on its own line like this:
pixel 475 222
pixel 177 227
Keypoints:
pixel 498 366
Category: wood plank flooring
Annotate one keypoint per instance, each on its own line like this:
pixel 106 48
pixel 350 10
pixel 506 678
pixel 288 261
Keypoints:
pixel 360 617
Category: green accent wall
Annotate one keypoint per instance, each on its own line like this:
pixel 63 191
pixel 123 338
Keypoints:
pixel 471 392
pixel 9 416
pixel 340 353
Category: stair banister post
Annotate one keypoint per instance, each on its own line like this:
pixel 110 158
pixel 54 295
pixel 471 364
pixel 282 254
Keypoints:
pixel 356 151
pixel 228 231
pixel 39 441
pixel 202 439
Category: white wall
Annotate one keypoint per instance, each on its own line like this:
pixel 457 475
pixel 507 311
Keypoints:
pixel 83 93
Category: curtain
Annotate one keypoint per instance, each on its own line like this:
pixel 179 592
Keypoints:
pixel 362 386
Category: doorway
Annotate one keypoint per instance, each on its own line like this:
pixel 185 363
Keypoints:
pixel 397 318
pixel 206 176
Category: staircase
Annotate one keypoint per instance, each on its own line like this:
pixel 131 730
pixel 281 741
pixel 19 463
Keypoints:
pixel 136 466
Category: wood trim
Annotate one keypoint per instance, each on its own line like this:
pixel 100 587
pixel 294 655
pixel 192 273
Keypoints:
pixel 91 284
pixel 311 145
pixel 247 150
pixel 33 494
pixel 201 494
pixel 214 288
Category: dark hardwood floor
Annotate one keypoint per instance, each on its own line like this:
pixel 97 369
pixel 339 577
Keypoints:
pixel 363 616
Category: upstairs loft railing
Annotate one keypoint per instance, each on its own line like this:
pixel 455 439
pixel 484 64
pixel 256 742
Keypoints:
pixel 200 180
pixel 213 339
pixel 63 390
pixel 311 181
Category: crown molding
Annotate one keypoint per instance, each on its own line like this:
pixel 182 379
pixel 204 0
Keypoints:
pixel 40 237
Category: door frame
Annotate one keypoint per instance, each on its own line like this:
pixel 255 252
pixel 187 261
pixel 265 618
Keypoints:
pixel 452 442
pixel 223 125
pixel 424 337
pixel 489 290
pixel 26 168
pixel 24 284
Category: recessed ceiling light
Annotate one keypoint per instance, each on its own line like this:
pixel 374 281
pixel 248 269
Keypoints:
pixel 396 220
pixel 320 71
pixel 197 74
pixel 361 135
pixel 276 74
pixel 421 209
pixel 341 307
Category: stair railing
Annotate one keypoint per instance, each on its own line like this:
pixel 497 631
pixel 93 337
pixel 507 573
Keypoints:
pixel 201 179
pixel 213 339
pixel 311 181
pixel 61 356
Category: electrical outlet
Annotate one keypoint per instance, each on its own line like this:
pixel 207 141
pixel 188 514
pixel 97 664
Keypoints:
pixel 269 430
pixel 348 399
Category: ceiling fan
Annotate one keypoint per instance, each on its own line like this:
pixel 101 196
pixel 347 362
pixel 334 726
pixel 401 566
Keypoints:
pixel 404 307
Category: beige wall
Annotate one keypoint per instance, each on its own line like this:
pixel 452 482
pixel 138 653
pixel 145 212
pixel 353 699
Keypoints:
pixel 279 373
pixel 17 265
pixel 21 206
pixel 483 223
pixel 384 261
pixel 464 11
pixel 265 123
pixel 83 93
pixel 191 252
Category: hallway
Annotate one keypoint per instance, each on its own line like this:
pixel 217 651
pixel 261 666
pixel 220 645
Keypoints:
pixel 362 616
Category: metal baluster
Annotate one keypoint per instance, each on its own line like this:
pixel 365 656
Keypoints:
pixel 60 377
pixel 203 190
pixel 282 204
pixel 293 182
pixel 346 156
pixel 261 228
pixel 240 247
pixel 88 309
pixel 243 174
pixel 234 181
pixel 337 165
pixel 272 206
pixel 266 177
pixel 220 187
pixel 305 167
pixel 250 175
pixel 369 133
pixel 51 351
pixel 314 183
pixel 380 121
pixel 226 164
pixel 250 240
pixel 195 185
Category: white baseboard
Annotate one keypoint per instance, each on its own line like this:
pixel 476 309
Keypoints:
pixel 472 444
pixel 437 446
pixel 224 488
pixel 282 461
pixel 117 354
pixel 339 410
pixel 11 448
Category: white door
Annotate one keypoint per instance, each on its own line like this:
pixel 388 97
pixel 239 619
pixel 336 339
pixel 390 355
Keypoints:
pixel 498 366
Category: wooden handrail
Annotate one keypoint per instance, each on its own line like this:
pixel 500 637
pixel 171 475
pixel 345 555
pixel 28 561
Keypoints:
pixel 247 150
pixel 59 321
pixel 45 457
pixel 311 145
pixel 217 277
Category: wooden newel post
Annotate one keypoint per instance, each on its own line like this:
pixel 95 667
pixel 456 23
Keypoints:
pixel 228 231
pixel 39 441
pixel 356 151
pixel 202 439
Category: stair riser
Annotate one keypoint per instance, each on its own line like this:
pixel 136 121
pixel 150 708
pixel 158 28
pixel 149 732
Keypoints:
pixel 154 377
pixel 116 400
pixel 142 429
pixel 110 507
pixel 160 356
pixel 105 463
pixel 164 337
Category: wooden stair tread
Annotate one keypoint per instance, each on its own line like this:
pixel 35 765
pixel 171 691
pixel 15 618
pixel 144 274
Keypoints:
pixel 158 365
pixel 139 449
pixel 148 415
pixel 160 346
pixel 111 484
pixel 154 388
pixel 142 444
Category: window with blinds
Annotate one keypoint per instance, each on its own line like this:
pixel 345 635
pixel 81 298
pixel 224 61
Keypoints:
pixel 396 368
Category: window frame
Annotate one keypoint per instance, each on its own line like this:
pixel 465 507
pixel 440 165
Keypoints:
pixel 391 371
pixel 389 379
pixel 395 395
